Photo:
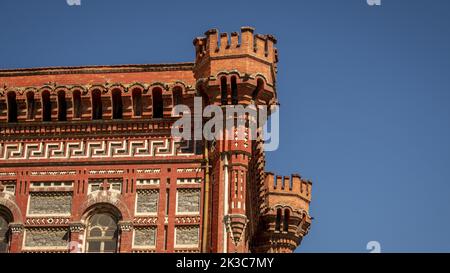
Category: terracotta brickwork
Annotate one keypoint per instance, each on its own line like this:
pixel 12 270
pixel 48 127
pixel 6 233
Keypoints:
pixel 88 162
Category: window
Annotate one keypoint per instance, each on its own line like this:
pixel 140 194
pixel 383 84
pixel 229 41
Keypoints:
pixel 12 107
pixel 31 105
pixel 223 90
pixel 77 104
pixel 158 106
pixel 117 104
pixel 259 87
pixel 234 91
pixel 97 110
pixel 278 220
pixel 102 233
pixel 177 96
pixel 4 232
pixel 46 106
pixel 62 106
pixel 137 102
pixel 286 220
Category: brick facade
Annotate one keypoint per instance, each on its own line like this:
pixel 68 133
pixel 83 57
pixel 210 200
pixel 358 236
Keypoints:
pixel 88 162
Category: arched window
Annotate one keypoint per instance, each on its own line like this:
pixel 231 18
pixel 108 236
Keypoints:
pixel 62 106
pixel 259 87
pixel 77 104
pixel 117 104
pixel 286 220
pixel 4 231
pixel 97 110
pixel 278 220
pixel 46 106
pixel 177 94
pixel 223 91
pixel 137 102
pixel 12 107
pixel 31 105
pixel 158 106
pixel 234 91
pixel 102 233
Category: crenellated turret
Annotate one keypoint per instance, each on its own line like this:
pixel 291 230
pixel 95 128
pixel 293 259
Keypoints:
pixel 236 68
pixel 284 213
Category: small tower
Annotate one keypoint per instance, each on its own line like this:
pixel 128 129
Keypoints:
pixel 237 68
pixel 284 214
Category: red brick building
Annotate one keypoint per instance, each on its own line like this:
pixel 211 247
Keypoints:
pixel 88 163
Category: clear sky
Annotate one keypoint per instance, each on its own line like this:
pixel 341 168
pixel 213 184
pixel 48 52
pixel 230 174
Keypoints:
pixel 364 93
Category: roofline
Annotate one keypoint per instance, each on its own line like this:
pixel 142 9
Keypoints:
pixel 95 69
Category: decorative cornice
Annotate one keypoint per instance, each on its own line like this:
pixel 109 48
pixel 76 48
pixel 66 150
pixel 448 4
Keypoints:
pixel 95 69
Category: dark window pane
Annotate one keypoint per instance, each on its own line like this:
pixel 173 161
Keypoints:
pixel 94 246
pixel 110 246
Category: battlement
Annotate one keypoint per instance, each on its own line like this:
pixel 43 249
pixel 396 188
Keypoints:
pixel 291 185
pixel 223 44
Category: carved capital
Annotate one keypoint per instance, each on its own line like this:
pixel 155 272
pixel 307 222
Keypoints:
pixel 76 227
pixel 125 225
pixel 16 227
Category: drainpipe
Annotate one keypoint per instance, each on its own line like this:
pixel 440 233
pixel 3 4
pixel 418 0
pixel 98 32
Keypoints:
pixel 206 202
pixel 225 204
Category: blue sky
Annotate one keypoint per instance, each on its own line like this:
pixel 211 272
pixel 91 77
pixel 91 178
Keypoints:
pixel 364 93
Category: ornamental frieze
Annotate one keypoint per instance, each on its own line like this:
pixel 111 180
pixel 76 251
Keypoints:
pixel 47 221
pixel 144 221
pixel 87 149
